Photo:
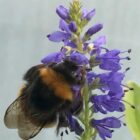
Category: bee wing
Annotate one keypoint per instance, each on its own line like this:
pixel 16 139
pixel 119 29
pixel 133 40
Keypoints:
pixel 27 130
pixel 12 113
pixel 15 118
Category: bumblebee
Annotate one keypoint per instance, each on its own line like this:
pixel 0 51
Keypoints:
pixel 44 99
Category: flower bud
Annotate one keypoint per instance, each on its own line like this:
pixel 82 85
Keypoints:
pixel 94 29
pixel 73 26
pixel 88 16
pixel 62 12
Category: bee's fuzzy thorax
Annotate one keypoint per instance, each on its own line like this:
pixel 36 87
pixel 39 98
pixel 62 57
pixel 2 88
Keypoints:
pixel 56 82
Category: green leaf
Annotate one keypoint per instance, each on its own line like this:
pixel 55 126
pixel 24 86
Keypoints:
pixel 133 115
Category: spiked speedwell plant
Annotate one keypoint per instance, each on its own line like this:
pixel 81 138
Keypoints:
pixel 102 91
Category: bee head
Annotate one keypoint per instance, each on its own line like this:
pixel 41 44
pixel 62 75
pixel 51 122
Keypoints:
pixel 69 70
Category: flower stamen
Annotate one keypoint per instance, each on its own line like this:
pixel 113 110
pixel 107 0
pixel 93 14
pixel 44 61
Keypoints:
pixel 130 88
pixel 132 106
pixel 127 69
pixel 124 124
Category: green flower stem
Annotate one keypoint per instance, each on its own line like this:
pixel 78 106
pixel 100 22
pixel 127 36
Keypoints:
pixel 86 115
pixel 80 45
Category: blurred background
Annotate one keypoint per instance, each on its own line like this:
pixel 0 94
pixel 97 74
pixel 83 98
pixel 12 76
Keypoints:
pixel 24 25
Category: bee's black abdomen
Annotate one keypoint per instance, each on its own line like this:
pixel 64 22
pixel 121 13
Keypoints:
pixel 43 98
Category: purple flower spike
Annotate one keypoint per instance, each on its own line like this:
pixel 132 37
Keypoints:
pixel 62 12
pixel 58 36
pixel 90 66
pixel 88 15
pixel 73 26
pixel 103 126
pixel 55 57
pixel 94 29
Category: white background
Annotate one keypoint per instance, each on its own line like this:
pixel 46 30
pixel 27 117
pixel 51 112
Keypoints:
pixel 24 25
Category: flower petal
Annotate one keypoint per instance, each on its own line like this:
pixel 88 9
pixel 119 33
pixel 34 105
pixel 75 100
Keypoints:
pixel 73 26
pixel 100 41
pixel 55 57
pixel 88 15
pixel 58 36
pixel 111 122
pixel 64 26
pixel 74 125
pixel 104 132
pixel 79 58
pixel 70 44
pixel 110 65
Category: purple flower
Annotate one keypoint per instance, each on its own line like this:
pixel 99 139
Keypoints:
pixel 104 103
pixel 116 95
pixel 74 125
pixel 111 81
pixel 58 36
pixel 101 40
pixel 88 15
pixel 64 35
pixel 103 126
pixel 55 57
pixel 90 77
pixel 63 25
pixel 79 58
pixel 98 43
pixel 96 46
pixel 62 12
pixel 70 43
pixel 110 60
pixel 94 29
pixel 73 26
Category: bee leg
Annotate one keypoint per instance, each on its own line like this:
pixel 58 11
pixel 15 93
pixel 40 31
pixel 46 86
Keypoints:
pixel 66 131
pixel 61 134
pixel 62 122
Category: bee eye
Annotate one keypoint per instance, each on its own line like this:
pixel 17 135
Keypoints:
pixel 70 65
